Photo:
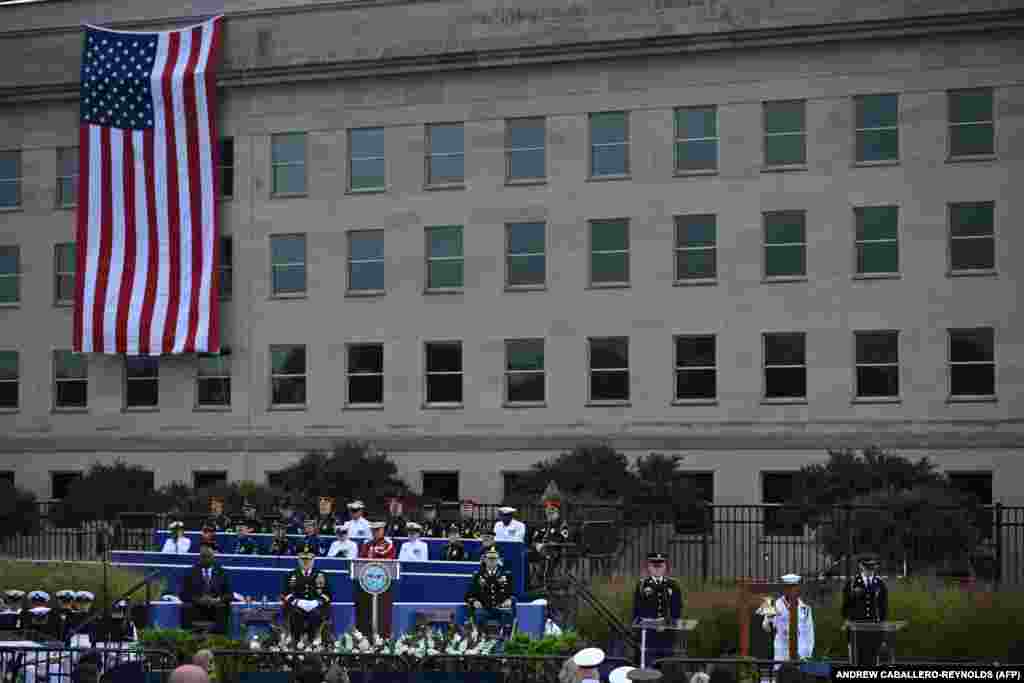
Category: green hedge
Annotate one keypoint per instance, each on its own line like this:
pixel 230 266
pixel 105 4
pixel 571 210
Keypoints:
pixel 55 576
pixel 568 643
pixel 945 621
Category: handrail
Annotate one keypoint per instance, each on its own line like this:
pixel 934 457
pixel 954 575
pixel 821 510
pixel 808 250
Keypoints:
pixel 98 613
pixel 604 611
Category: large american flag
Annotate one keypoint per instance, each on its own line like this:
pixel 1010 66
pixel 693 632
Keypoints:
pixel 148 228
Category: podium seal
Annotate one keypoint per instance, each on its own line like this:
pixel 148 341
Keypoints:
pixel 375 579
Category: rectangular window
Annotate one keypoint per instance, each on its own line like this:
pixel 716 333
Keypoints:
pixel 444 373
pixel 785 244
pixel 972 244
pixel 67 177
pixel 208 479
pixel 609 144
pixel 696 368
pixel 609 252
pixel 445 257
pixel 275 480
pixel 525 261
pixel 10 179
pixel 445 154
pixel 696 139
pixel 287 376
pixel 971 123
pixel 225 271
pixel 288 158
pixel 524 371
pixel 511 484
pixel 226 168
pixel 878 368
pixel 785 133
pixel 61 482
pixel 609 368
pixel 877 128
pixel 70 380
pixel 696 252
pixel 972 362
pixel 366 160
pixel 213 379
pixel 64 273
pixel 777 489
pixel 7 477
pixel 10 274
pixel 524 149
pixel 141 381
pixel 696 519
pixel 785 365
pixel 9 380
pixel 877 241
pixel 442 486
pixel 288 264
pixel 365 374
pixel 366 261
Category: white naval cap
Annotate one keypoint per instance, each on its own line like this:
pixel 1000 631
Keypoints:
pixel 413 526
pixel 356 505
pixel 588 658
pixel 791 579
pixel 619 675
pixel 86 595
pixel 506 510
pixel 39 596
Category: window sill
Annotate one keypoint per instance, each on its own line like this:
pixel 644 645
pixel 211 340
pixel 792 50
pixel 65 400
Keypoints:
pixel 683 402
pixel 364 293
pixel 971 158
pixel 784 168
pixel 288 296
pixel 877 276
pixel 367 190
pixel 289 195
pixel 211 409
pixel 140 409
pixel 11 209
pixel 525 182
pixel 603 178
pixel 696 282
pixel 442 406
pixel 972 399
pixel 869 400
pixel 444 186
pixel 524 404
pixel 784 401
pixel 57 410
pixel 783 278
pixel 526 288
pixel 987 272
pixel 9 411
pixel 443 290
pixel 695 173
pixel 608 285
pixel 290 408
pixel 10 304
pixel 609 403
pixel 880 162
pixel 362 406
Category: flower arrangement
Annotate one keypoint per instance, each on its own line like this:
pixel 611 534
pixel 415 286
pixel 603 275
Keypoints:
pixel 767 608
pixel 423 642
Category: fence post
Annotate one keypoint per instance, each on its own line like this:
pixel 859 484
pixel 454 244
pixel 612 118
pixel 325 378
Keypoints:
pixel 709 520
pixel 999 544
pixel 848 568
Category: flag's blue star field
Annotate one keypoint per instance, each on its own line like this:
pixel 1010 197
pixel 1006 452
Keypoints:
pixel 116 87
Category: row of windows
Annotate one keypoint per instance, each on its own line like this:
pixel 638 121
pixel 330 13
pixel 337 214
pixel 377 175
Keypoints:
pixel 971 249
pixel 971 368
pixel 970 122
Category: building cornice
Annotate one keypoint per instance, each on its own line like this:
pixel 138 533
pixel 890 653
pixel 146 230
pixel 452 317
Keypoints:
pixel 1005 22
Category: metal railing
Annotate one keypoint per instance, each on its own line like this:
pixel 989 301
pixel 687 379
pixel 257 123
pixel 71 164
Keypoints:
pixel 58 664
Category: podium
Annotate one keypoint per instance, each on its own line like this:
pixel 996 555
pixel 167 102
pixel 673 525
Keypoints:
pixel 882 628
pixel 374 586
pixel 683 626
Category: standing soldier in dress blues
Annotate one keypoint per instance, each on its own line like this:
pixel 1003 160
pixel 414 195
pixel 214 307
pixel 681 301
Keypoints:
pixel 289 516
pixel 396 524
pixel 658 597
pixel 246 545
pixel 432 526
pixel 312 539
pixel 250 517
pixel 865 599
pixel 326 520
pixel 489 592
pixel 454 551
pixel 301 587
pixel 280 545
pixel 217 519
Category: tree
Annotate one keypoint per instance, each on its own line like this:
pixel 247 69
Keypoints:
pixel 19 513
pixel 106 491
pixel 662 494
pixel 588 473
pixel 234 495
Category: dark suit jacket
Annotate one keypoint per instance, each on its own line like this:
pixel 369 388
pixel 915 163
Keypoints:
pixel 195 585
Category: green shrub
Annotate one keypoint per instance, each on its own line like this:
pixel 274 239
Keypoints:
pixel 548 646
pixel 18 511
pixel 54 576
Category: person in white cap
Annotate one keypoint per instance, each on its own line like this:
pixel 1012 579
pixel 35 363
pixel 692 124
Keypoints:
pixel 415 549
pixel 11 611
pixel 177 543
pixel 342 547
pixel 358 526
pixel 587 661
pixel 619 675
pixel 507 528
pixel 779 622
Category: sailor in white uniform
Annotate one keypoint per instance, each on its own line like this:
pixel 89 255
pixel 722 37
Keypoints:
pixel 342 547
pixel 507 528
pixel 779 622
pixel 415 549
pixel 358 526
pixel 178 543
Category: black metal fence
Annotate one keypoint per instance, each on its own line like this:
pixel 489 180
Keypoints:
pixel 57 664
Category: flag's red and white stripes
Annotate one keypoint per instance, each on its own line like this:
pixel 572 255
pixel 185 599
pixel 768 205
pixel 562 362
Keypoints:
pixel 148 227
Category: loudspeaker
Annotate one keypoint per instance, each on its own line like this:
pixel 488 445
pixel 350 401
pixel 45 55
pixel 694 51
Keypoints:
pixel 600 538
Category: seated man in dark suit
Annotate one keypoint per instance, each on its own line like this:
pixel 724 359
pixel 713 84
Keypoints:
pixel 207 592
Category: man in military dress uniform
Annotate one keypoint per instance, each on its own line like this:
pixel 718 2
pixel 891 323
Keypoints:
pixel 326 520
pixel 312 538
pixel 432 526
pixel 454 551
pixel 11 612
pixel 306 584
pixel 280 545
pixel 507 528
pixel 489 592
pixel 342 547
pixel 381 547
pixel 544 557
pixel 38 616
pixel 217 519
pixel 865 599
pixel 658 597
pixel 358 525
pixel 414 549
pixel 60 615
pixel 396 524
pixel 486 544
pixel 246 544
pixel 291 518
pixel 249 517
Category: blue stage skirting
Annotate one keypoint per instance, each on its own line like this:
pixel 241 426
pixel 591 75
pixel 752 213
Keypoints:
pixel 514 555
pixel 403 616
